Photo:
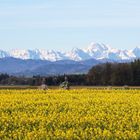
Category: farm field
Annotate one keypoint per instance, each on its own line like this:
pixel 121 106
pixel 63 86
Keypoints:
pixel 75 114
pixel 21 87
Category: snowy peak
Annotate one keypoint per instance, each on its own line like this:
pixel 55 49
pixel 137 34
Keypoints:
pixel 97 47
pixel 3 54
pixel 102 51
pixel 77 54
pixel 36 54
pixel 96 51
pixel 51 55
pixel 136 52
pixel 24 54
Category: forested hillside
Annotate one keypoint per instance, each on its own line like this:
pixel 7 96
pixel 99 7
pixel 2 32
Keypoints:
pixel 108 74
pixel 115 74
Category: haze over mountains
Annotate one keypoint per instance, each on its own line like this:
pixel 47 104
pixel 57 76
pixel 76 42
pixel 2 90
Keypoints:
pixel 76 61
pixel 96 51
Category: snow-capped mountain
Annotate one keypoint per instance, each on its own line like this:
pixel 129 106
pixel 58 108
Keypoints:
pixel 36 54
pixel 136 52
pixel 3 54
pixel 25 54
pixel 96 51
pixel 77 55
pixel 102 51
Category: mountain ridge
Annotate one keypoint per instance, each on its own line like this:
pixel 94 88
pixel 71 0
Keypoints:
pixel 19 67
pixel 96 51
pixel 29 67
pixel 49 62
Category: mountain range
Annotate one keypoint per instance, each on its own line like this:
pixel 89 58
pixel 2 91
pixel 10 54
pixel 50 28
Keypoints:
pixel 96 51
pixel 76 61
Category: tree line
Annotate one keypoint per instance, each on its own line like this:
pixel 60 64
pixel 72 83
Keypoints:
pixel 112 74
pixel 115 74
pixel 37 80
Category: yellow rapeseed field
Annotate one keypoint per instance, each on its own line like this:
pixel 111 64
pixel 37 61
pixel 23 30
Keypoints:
pixel 70 115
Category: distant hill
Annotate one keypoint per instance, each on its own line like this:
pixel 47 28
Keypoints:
pixel 20 67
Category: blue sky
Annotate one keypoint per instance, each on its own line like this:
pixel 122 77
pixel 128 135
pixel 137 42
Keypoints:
pixel 65 24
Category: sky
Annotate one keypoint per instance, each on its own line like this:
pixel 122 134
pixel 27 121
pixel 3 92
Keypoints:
pixel 66 24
